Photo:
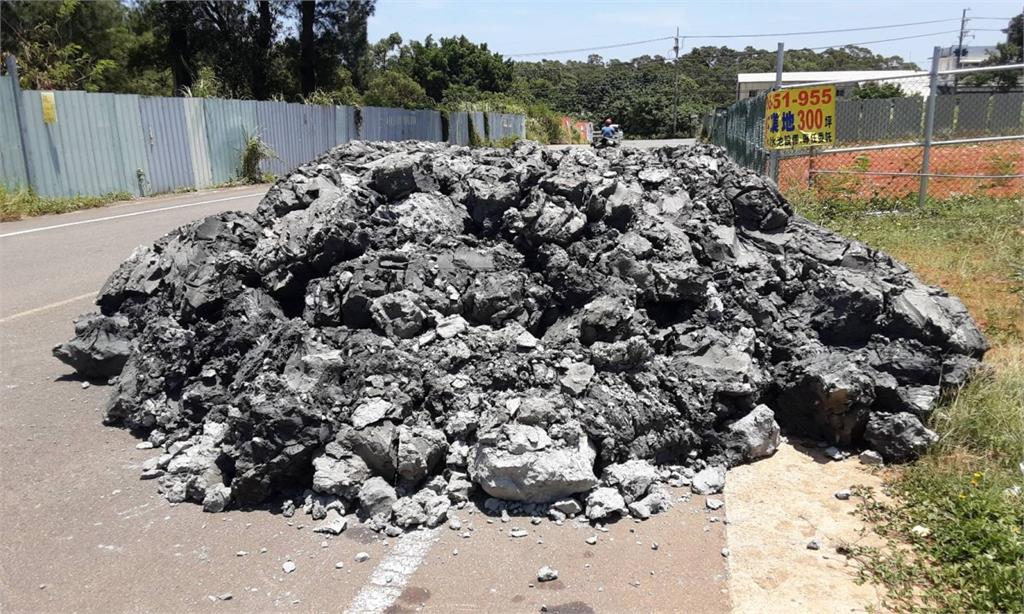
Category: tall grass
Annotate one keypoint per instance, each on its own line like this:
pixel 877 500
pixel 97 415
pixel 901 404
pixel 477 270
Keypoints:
pixel 968 551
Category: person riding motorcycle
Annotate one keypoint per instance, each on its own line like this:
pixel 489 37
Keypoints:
pixel 608 131
pixel 609 135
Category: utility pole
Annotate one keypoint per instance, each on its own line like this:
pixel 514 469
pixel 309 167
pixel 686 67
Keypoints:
pixel 675 99
pixel 960 48
pixel 19 113
pixel 773 155
pixel 929 127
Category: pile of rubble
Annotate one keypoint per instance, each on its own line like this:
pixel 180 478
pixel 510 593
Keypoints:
pixel 401 326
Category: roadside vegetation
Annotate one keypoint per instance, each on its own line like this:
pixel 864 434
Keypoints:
pixel 18 204
pixel 953 523
pixel 318 52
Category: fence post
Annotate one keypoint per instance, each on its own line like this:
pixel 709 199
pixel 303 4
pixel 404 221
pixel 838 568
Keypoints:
pixel 810 168
pixel 773 155
pixel 19 114
pixel 929 126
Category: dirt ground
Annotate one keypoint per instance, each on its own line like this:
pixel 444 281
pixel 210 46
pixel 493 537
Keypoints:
pixel 775 507
pixel 998 158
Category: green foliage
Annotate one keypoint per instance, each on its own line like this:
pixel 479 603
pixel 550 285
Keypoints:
pixel 393 88
pixel 68 44
pixel 547 129
pixel 347 95
pixel 641 94
pixel 16 204
pixel 260 50
pixel 875 89
pixel 206 85
pixel 1009 52
pixel 255 151
pixel 454 62
pixel 969 561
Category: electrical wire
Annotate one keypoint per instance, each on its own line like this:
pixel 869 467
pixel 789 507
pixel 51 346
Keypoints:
pixel 884 40
pixel 895 25
pixel 560 51
pixel 664 38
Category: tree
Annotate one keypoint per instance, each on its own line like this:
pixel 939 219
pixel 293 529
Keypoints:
pixel 454 61
pixel 1009 52
pixel 332 33
pixel 394 88
pixel 307 46
pixel 344 35
pixel 262 42
pixel 878 89
pixel 178 18
pixel 383 52
pixel 68 44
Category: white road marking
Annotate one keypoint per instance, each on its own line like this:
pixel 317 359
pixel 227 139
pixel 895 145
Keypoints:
pixel 45 307
pixel 392 574
pixel 123 215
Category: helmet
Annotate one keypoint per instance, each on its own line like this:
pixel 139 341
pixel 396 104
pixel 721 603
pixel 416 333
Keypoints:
pixel 608 122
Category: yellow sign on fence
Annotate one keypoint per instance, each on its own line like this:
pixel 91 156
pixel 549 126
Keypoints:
pixel 49 103
pixel 800 117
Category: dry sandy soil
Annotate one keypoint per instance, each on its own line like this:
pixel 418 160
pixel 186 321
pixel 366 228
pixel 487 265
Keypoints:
pixel 775 507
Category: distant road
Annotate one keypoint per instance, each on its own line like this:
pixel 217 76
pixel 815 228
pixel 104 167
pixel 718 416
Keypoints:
pixel 649 144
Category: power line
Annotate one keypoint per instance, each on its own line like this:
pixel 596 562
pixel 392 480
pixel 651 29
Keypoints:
pixel 857 44
pixel 895 25
pixel 884 40
pixel 665 38
pixel 652 40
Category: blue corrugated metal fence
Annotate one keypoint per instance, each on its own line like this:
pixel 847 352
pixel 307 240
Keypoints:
pixel 94 144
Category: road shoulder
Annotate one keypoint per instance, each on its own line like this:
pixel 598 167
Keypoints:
pixel 775 508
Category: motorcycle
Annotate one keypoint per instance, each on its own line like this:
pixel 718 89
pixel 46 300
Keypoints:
pixel 599 141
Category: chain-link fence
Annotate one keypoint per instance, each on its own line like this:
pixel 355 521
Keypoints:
pixel 929 134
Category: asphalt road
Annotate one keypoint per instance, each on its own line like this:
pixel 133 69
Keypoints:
pixel 81 532
pixel 639 144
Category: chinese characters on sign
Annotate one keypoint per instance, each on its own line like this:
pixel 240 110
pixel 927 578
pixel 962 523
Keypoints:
pixel 49 104
pixel 800 117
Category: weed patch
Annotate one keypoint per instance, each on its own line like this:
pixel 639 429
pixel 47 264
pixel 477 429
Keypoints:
pixel 953 525
pixel 15 205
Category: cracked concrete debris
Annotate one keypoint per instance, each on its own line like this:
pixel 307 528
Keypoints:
pixel 401 324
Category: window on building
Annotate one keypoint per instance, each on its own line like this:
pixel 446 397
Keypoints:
pixel 752 93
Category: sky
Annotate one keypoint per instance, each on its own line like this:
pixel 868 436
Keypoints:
pixel 526 26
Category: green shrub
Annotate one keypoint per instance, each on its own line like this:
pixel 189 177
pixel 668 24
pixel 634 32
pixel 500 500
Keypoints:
pixel 254 153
